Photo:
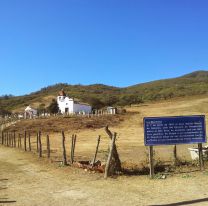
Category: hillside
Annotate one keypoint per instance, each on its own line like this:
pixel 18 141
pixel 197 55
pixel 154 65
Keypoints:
pixel 98 94
pixel 191 84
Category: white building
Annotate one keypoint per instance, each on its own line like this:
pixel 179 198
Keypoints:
pixel 30 112
pixel 70 106
pixel 111 110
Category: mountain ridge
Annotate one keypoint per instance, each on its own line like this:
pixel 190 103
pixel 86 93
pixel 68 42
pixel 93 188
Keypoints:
pixel 189 84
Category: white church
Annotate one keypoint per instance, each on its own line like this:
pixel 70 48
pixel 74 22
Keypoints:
pixel 68 105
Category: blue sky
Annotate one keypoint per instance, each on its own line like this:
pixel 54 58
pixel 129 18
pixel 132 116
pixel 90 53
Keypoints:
pixel 114 42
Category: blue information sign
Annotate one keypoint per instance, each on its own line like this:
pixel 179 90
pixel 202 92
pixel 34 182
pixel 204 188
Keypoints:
pixel 174 130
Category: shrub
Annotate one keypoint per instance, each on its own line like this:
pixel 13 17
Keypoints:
pixel 53 107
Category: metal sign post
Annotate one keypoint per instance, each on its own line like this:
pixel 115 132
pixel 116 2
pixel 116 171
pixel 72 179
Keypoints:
pixel 172 131
pixel 151 162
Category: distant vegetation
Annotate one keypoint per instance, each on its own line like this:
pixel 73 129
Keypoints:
pixel 53 107
pixel 99 95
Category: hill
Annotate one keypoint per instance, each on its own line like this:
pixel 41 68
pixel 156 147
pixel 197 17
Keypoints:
pixel 191 84
pixel 100 95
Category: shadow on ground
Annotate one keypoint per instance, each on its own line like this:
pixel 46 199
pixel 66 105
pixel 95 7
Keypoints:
pixel 4 200
pixel 184 202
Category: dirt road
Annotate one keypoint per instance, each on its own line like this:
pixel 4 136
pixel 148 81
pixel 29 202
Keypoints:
pixel 27 180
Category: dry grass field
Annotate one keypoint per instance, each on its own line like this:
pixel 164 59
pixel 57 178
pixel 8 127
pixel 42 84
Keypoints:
pixel 129 128
pixel 23 174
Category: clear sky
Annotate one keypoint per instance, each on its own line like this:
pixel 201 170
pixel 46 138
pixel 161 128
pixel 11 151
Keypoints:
pixel 114 42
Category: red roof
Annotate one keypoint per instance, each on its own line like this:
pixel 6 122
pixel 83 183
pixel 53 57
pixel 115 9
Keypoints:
pixel 62 93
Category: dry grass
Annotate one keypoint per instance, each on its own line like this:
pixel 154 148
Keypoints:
pixel 57 184
pixel 67 123
pixel 129 128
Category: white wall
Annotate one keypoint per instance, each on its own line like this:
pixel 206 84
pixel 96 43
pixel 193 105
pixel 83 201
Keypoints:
pixel 82 108
pixel 31 110
pixel 66 102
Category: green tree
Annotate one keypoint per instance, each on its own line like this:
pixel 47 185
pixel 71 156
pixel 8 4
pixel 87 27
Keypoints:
pixel 4 112
pixel 130 99
pixel 110 100
pixel 53 107
pixel 41 108
pixel 94 102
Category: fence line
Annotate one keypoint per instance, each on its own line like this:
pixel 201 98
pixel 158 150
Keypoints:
pixel 30 142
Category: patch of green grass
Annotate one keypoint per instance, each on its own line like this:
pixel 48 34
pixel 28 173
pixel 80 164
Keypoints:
pixel 187 176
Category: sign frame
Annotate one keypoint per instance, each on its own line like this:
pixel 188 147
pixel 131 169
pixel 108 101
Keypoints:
pixel 175 118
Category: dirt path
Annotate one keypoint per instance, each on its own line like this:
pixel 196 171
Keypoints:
pixel 26 180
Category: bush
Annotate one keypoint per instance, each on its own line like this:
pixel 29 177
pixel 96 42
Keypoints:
pixel 4 112
pixel 53 107
pixel 41 108
pixel 130 99
pixel 110 100
pixel 94 102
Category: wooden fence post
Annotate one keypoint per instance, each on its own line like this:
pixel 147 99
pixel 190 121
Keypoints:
pixel 2 137
pixel 29 141
pixel 25 141
pixel 48 146
pixel 18 140
pixel 64 149
pixel 115 152
pixel 96 151
pixel 7 139
pixel 201 161
pixel 21 141
pixel 10 140
pixel 151 161
pixel 14 138
pixel 73 144
pixel 37 141
pixel 110 156
pixel 40 144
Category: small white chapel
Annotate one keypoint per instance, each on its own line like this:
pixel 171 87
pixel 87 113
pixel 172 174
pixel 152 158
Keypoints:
pixel 68 105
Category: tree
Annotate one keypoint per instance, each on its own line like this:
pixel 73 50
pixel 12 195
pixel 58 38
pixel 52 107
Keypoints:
pixel 53 107
pixel 41 108
pixel 4 112
pixel 6 96
pixel 94 102
pixel 110 100
pixel 130 99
